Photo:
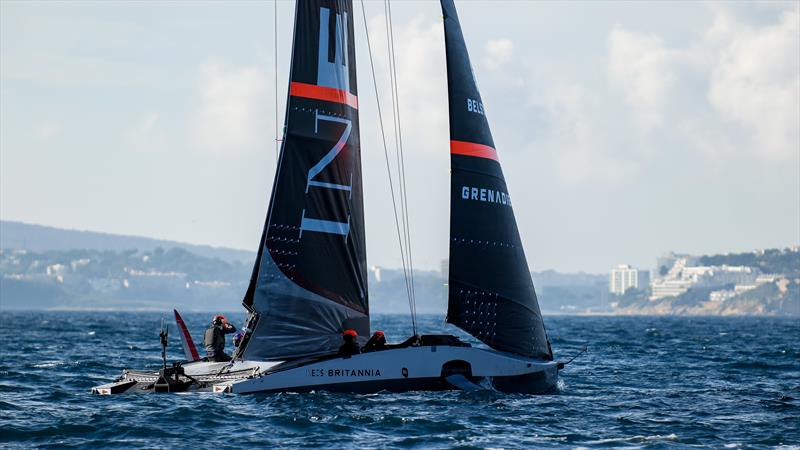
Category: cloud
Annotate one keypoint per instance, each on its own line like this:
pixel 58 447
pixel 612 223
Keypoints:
pixel 578 139
pixel 50 68
pixel 421 78
pixel 643 69
pixel 756 83
pixel 233 110
pixel 498 52
pixel 732 92
pixel 48 130
pixel 144 132
pixel 149 122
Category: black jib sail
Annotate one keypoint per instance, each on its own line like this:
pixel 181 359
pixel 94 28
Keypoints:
pixel 309 282
pixel 491 294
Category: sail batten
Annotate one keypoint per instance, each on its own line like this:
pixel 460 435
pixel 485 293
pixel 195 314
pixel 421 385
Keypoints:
pixel 491 293
pixel 309 281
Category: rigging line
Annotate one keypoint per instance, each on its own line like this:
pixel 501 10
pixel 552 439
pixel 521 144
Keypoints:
pixel 397 150
pixel 399 142
pixel 395 128
pixel 386 154
pixel 400 174
pixel 405 242
pixel 391 182
pixel 403 169
pixel 402 162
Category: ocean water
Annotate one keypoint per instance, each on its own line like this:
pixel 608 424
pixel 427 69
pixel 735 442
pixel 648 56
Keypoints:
pixel 646 382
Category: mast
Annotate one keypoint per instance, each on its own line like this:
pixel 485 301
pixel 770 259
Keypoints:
pixel 309 280
pixel 491 293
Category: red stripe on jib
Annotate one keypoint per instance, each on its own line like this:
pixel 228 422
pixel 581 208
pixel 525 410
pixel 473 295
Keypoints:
pixel 472 149
pixel 325 93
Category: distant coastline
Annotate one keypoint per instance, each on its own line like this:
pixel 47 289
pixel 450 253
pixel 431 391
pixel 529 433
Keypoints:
pixel 46 268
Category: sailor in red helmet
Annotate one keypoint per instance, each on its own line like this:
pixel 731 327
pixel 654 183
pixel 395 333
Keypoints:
pixel 214 339
pixel 376 343
pixel 350 345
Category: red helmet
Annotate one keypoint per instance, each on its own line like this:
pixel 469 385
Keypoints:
pixel 379 333
pixel 350 333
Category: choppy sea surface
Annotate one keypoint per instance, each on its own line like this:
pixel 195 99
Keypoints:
pixel 649 382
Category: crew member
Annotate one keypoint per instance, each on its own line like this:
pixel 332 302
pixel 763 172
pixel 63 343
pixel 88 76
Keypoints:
pixel 214 339
pixel 376 343
pixel 350 345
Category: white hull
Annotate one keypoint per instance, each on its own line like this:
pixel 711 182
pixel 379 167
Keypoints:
pixel 430 368
pixel 407 369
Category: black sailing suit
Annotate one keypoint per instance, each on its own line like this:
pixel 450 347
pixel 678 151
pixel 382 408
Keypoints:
pixel 350 346
pixel 214 341
pixel 376 343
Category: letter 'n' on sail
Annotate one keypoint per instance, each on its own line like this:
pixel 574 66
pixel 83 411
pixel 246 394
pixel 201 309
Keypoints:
pixel 491 294
pixel 309 281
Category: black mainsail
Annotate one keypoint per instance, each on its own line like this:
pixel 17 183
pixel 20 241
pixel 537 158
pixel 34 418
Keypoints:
pixel 491 294
pixel 309 281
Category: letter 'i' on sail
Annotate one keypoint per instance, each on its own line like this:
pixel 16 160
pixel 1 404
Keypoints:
pixel 309 281
pixel 491 294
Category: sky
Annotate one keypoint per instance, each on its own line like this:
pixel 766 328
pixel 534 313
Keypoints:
pixel 625 129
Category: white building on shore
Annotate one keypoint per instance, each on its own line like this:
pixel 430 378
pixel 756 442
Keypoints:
pixel 624 277
pixel 684 275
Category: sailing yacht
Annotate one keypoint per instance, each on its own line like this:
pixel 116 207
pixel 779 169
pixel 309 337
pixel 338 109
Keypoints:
pixel 309 281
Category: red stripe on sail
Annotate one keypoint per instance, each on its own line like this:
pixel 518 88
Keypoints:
pixel 473 149
pixel 325 93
